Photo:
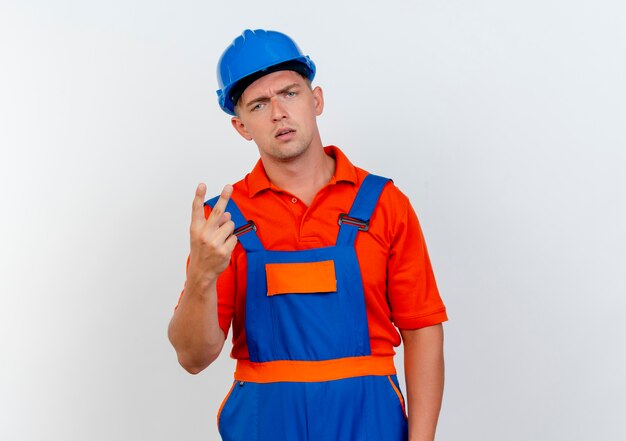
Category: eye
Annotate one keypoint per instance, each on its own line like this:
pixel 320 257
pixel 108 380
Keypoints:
pixel 257 106
pixel 290 94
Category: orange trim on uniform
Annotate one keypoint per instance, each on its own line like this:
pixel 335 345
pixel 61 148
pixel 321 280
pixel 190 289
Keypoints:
pixel 311 371
pixel 400 397
pixel 219 412
pixel 308 277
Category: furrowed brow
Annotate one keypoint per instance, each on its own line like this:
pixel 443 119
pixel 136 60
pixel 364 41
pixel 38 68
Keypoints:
pixel 288 88
pixel 263 99
pixel 260 99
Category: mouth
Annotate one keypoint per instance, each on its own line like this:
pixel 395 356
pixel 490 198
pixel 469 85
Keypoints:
pixel 284 133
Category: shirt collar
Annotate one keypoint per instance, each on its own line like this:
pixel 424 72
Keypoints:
pixel 344 172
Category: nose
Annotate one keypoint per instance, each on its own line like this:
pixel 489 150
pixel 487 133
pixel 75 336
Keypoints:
pixel 278 110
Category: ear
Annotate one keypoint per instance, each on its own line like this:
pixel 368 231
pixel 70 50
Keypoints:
pixel 240 127
pixel 318 96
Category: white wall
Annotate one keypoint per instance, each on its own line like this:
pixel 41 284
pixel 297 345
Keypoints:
pixel 503 121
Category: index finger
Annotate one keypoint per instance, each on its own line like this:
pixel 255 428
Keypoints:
pixel 220 205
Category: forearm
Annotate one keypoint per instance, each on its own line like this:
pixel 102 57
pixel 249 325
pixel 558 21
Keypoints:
pixel 424 371
pixel 194 330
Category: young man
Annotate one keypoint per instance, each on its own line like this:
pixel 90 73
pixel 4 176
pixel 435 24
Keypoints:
pixel 317 264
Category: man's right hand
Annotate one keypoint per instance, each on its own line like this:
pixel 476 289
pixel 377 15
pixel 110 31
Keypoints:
pixel 212 239
pixel 194 329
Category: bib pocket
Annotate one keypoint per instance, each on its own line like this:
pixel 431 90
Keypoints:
pixel 305 308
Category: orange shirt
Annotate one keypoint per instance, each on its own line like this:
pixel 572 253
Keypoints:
pixel 398 280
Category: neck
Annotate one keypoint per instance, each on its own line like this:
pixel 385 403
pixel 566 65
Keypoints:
pixel 303 176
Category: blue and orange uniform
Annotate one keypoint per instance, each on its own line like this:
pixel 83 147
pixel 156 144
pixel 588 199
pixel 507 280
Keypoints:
pixel 315 295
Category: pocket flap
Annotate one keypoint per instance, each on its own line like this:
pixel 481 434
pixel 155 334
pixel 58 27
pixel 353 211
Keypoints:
pixel 302 278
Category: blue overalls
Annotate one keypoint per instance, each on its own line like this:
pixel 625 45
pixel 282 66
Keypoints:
pixel 311 375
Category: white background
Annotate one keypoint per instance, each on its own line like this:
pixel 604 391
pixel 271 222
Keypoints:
pixel 504 121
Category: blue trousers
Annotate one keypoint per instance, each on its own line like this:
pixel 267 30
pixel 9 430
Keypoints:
pixel 369 408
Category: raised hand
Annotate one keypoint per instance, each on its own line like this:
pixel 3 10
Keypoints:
pixel 212 239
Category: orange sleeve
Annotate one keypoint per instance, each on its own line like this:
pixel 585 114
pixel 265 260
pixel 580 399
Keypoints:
pixel 412 291
pixel 226 286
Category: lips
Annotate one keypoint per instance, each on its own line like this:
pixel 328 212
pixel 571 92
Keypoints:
pixel 284 133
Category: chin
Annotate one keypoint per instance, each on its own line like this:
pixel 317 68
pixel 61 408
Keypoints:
pixel 288 152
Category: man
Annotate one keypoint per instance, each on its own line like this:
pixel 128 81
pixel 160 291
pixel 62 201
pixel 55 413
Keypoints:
pixel 316 264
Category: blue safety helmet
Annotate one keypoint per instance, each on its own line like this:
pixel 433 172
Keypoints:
pixel 252 55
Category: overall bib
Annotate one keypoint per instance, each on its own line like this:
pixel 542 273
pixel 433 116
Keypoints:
pixel 311 375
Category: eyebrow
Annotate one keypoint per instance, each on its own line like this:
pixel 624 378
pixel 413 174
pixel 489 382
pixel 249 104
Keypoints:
pixel 264 98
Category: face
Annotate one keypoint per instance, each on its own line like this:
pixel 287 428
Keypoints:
pixel 278 111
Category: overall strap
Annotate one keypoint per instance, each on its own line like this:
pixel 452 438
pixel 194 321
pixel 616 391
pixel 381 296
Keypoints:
pixel 362 209
pixel 245 230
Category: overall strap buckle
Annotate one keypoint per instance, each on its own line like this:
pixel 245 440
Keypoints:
pixel 245 228
pixel 360 224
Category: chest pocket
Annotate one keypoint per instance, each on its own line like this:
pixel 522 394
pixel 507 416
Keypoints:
pixel 305 306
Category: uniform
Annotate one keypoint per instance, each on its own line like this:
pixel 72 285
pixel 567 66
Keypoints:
pixel 313 337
